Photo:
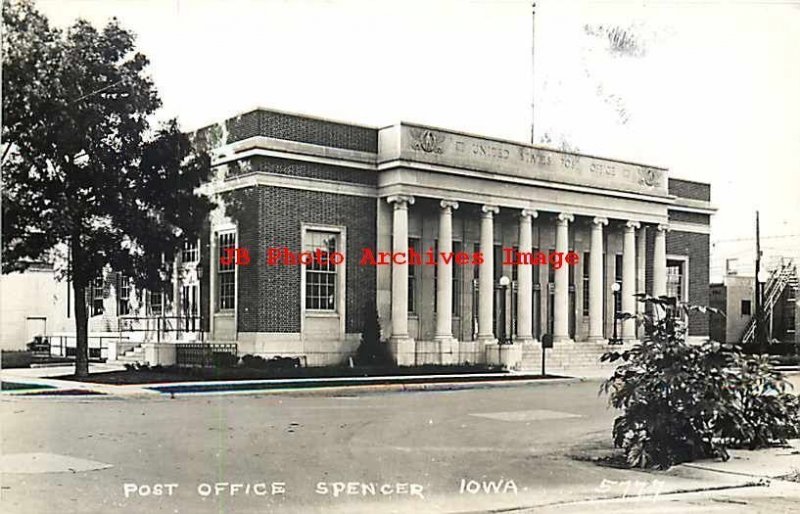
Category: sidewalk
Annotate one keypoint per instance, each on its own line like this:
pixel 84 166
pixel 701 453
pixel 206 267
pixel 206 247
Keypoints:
pixel 765 480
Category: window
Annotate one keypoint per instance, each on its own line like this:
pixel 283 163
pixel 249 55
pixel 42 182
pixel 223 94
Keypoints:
pixel 156 303
pixel 675 277
pixel 457 278
pixel 191 251
pixel 190 300
pixel 498 262
pixel 586 267
pixel 412 278
pixel 96 295
pixel 321 278
pixel 746 308
pixel 436 277
pixel 124 296
pixel 226 273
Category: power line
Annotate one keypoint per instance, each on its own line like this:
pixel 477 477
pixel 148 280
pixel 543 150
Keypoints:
pixel 782 236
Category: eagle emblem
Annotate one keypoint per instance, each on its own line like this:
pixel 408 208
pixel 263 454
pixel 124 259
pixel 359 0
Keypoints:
pixel 649 177
pixel 427 141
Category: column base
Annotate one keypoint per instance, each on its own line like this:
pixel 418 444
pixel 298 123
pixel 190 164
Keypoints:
pixel 597 340
pixel 524 340
pixel 564 341
pixel 403 350
pixel 487 339
pixel 448 349
pixel 507 355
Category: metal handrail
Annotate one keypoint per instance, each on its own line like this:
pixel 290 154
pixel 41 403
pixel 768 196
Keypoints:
pixel 773 289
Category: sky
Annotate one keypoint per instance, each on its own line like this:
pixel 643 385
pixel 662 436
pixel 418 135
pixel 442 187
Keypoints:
pixel 706 88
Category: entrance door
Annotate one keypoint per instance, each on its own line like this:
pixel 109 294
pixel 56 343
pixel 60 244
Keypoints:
pixel 35 326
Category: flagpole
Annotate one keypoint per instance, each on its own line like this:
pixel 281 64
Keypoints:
pixel 533 74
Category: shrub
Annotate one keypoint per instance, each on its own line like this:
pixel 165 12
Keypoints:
pixel 254 362
pixel 224 360
pixel 15 359
pixel 258 362
pixel 684 401
pixel 372 351
pixel 765 413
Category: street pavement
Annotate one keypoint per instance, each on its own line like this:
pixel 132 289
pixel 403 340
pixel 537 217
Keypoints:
pixel 517 449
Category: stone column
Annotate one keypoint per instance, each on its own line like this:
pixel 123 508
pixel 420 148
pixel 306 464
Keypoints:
pixel 486 281
pixel 596 280
pixel 561 294
pixel 641 260
pixel 629 279
pixel 444 274
pixel 660 261
pixel 525 279
pixel 402 344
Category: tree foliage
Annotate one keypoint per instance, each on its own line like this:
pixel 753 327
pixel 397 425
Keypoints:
pixel 683 401
pixel 82 166
pixel 372 350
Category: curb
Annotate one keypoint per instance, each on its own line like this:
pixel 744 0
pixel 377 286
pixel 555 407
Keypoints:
pixel 317 387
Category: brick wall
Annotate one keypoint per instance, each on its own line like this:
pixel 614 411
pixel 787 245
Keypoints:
pixel 689 189
pixel 269 297
pixel 304 169
pixel 689 217
pixel 306 130
pixel 696 246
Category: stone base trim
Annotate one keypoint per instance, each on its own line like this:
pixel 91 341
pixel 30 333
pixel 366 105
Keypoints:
pixel 507 355
pixel 403 350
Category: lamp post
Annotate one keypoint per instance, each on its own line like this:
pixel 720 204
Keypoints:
pixel 615 288
pixel 504 282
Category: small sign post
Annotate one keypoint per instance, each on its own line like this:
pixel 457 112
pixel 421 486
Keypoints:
pixel 547 342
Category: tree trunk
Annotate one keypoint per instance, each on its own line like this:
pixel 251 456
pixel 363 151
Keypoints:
pixel 81 328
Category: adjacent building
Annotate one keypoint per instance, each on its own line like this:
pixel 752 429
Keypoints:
pixel 735 296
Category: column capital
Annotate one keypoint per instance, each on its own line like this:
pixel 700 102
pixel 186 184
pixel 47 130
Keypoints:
pixel 529 213
pixel 662 227
pixel 400 201
pixel 599 221
pixel 631 224
pixel 448 204
pixel 565 217
pixel 488 210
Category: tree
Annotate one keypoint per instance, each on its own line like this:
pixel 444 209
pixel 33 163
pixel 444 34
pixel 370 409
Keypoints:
pixel 82 167
pixel 683 401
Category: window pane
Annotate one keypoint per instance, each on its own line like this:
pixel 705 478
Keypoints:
pixel 321 278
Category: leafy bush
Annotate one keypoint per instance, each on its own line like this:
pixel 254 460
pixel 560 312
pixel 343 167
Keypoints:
pixel 372 351
pixel 254 362
pixel 764 413
pixel 685 401
pixel 258 362
pixel 15 359
pixel 224 360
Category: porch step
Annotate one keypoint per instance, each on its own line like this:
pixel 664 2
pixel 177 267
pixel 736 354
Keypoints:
pixel 572 357
pixel 132 356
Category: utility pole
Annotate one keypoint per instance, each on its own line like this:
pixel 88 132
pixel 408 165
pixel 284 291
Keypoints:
pixel 759 331
pixel 533 74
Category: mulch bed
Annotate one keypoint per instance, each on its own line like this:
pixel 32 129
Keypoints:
pixel 175 374
pixel 19 386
